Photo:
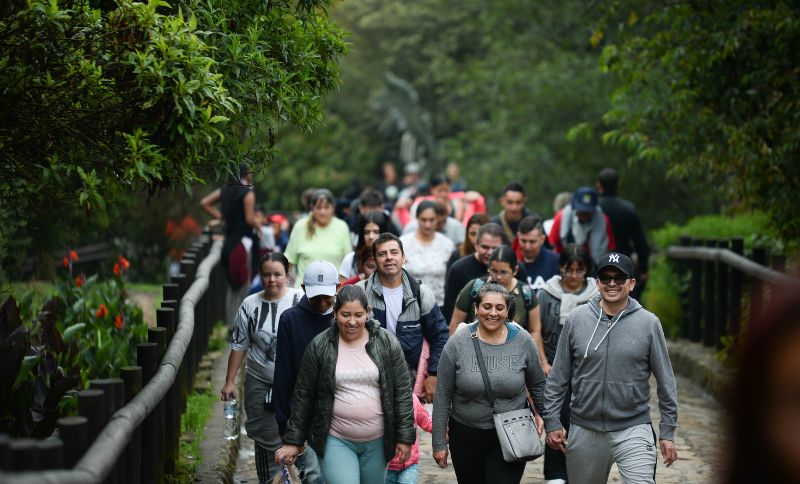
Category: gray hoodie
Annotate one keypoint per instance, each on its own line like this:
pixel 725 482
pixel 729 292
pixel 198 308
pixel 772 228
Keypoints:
pixel 608 364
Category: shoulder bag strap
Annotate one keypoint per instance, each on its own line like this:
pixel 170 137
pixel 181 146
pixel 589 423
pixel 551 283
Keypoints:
pixel 482 365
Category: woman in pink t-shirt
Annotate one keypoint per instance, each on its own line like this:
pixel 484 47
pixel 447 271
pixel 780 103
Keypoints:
pixel 352 401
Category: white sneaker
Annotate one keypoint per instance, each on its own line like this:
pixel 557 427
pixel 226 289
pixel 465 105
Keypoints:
pixel 555 481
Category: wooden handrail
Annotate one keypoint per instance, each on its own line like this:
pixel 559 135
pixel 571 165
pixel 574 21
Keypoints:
pixel 100 458
pixel 734 260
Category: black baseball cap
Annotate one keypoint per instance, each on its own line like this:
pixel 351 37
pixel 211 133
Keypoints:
pixel 618 261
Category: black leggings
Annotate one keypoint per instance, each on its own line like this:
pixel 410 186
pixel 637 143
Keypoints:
pixel 477 457
pixel 555 462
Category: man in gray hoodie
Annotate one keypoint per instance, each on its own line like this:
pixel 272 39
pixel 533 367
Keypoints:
pixel 608 349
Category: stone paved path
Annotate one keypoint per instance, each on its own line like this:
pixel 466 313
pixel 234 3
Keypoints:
pixel 697 440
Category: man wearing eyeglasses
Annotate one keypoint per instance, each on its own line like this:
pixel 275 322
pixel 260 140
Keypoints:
pixel 608 349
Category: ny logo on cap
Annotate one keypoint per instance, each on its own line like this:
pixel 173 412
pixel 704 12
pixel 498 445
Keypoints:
pixel 613 258
pixel 320 278
pixel 587 198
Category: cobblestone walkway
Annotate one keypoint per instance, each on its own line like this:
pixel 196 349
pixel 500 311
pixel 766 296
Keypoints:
pixel 697 440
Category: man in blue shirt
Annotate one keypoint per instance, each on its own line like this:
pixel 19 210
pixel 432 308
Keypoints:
pixel 540 262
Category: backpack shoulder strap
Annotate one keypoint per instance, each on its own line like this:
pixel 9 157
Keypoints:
pixel 527 294
pixel 476 286
pixel 414 283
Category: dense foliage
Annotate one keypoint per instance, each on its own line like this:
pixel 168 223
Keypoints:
pixel 101 99
pixel 88 330
pixel 666 281
pixel 509 89
pixel 710 89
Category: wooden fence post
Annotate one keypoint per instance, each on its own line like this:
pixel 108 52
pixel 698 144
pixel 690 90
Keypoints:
pixel 759 256
pixel 721 315
pixel 158 336
pixel 737 247
pixel 165 319
pixel 74 431
pixel 183 376
pixel 709 286
pixel 696 300
pixel 132 378
pixel 51 453
pixel 24 455
pixel 113 389
pixel 92 405
pixel 147 358
pixel 5 458
pixel 685 295
pixel 170 292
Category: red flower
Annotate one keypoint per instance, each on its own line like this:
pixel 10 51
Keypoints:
pixel 117 269
pixel 170 228
pixel 73 255
pixel 101 311
pixel 123 262
pixel 119 322
pixel 79 281
pixel 65 262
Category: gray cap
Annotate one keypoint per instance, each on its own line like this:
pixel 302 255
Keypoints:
pixel 320 279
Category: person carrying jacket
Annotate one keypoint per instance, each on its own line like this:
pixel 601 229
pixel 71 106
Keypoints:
pixel 352 401
pixel 406 308
pixel 297 327
pixel 583 222
pixel 607 351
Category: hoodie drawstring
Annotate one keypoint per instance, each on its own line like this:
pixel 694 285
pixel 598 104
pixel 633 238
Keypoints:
pixel 610 327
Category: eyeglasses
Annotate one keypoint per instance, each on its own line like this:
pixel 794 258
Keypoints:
pixel 619 279
pixel 496 273
pixel 577 272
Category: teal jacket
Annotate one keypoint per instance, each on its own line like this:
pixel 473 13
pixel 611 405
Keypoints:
pixel 312 402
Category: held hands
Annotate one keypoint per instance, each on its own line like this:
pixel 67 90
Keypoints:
pixel 287 454
pixel 402 452
pixel 430 388
pixel 557 440
pixel 228 392
pixel 546 367
pixel 668 451
pixel 441 458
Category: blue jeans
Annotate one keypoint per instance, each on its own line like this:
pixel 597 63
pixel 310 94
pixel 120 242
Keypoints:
pixel 308 465
pixel 406 476
pixel 347 462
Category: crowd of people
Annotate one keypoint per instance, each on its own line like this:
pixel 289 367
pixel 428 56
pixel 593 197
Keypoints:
pixel 368 307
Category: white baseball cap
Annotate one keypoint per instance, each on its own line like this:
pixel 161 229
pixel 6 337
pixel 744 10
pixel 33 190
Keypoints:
pixel 320 279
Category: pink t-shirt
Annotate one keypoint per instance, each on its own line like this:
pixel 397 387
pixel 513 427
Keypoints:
pixel 357 409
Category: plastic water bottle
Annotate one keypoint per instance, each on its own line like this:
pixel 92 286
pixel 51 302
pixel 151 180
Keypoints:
pixel 231 428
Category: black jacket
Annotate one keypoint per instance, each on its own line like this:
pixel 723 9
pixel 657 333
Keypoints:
pixel 627 228
pixel 297 328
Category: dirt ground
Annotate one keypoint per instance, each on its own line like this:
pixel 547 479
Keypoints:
pixel 146 300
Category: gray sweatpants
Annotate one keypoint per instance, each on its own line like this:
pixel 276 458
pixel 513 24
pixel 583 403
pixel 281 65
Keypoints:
pixel 590 454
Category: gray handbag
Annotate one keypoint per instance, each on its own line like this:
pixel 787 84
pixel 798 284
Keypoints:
pixel 516 430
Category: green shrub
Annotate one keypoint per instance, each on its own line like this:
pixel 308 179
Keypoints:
pixel 87 330
pixel 665 283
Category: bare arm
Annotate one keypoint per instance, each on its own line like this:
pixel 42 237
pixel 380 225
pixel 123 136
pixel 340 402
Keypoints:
pixel 249 203
pixel 459 316
pixel 234 362
pixel 208 204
